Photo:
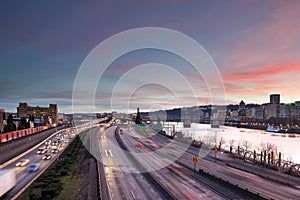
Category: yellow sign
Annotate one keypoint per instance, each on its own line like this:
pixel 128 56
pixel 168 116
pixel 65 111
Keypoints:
pixel 195 159
pixel 216 151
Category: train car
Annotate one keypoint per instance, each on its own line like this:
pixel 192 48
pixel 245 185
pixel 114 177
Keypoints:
pixel 31 131
pixel 9 136
pixel 15 134
pixel 20 133
pixel 3 138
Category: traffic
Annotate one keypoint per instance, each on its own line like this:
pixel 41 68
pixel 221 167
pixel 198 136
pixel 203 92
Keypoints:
pixel 26 167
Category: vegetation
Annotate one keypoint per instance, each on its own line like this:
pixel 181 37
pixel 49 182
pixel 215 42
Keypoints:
pixel 23 124
pixel 10 125
pixel 141 131
pixel 138 119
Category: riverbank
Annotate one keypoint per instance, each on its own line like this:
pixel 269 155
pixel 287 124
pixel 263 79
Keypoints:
pixel 261 127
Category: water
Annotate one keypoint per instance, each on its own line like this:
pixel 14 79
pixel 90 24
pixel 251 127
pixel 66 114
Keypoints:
pixel 288 146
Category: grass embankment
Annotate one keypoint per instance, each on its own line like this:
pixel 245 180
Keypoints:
pixel 156 127
pixel 66 178
pixel 142 131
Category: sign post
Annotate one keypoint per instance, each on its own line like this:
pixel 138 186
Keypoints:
pixel 195 160
pixel 216 152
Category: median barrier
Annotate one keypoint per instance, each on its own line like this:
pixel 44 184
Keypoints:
pixel 148 176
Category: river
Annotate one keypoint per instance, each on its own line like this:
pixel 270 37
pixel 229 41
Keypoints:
pixel 284 143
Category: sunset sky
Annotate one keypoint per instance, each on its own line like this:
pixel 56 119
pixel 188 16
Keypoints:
pixel 254 44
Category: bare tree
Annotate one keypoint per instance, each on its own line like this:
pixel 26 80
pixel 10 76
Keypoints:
pixel 221 141
pixel 246 145
pixel 268 147
pixel 231 142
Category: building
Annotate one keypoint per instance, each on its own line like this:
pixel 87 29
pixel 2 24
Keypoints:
pixel 275 98
pixel 290 110
pixel 24 110
pixel 272 110
pixel 255 112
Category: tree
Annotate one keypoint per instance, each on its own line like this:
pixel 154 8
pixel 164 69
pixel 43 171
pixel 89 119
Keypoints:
pixel 268 147
pixel 23 124
pixel 10 125
pixel 138 119
pixel 231 142
pixel 221 142
pixel 246 145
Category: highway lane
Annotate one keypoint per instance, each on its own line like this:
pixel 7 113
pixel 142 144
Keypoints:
pixel 181 182
pixel 124 179
pixel 22 175
pixel 253 182
pixel 13 148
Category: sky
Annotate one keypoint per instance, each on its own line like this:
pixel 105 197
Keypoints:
pixel 255 46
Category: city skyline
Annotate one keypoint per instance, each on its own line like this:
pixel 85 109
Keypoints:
pixel 254 45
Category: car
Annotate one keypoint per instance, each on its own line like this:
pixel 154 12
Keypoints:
pixel 22 163
pixel 33 167
pixel 48 142
pixel 47 156
pixel 54 151
pixel 42 151
pixel 54 143
pixel 61 145
pixel 139 145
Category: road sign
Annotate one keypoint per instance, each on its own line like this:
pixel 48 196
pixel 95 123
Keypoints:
pixel 195 159
pixel 216 151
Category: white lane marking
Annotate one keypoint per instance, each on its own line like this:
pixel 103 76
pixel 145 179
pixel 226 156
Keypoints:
pixel 132 194
pixel 106 154
pixel 110 153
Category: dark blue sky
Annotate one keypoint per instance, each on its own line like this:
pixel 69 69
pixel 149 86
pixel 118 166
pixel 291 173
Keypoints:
pixel 255 45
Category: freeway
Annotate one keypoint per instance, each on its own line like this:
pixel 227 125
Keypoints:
pixel 13 148
pixel 123 179
pixel 23 176
pixel 182 182
pixel 254 183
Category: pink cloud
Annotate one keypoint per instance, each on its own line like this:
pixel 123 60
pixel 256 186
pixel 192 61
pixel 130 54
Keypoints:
pixel 271 41
pixel 262 74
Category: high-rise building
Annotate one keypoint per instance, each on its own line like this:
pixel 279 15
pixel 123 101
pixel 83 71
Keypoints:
pixel 24 110
pixel 275 98
pixel 272 110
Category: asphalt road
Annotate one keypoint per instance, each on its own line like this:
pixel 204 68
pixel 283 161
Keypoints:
pixel 23 176
pixel 13 148
pixel 257 184
pixel 182 182
pixel 124 181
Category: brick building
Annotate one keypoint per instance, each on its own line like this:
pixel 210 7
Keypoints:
pixel 24 110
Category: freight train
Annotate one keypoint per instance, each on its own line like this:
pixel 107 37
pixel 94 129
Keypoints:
pixel 5 137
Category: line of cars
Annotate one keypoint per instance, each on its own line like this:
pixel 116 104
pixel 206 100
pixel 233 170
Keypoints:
pixel 49 148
